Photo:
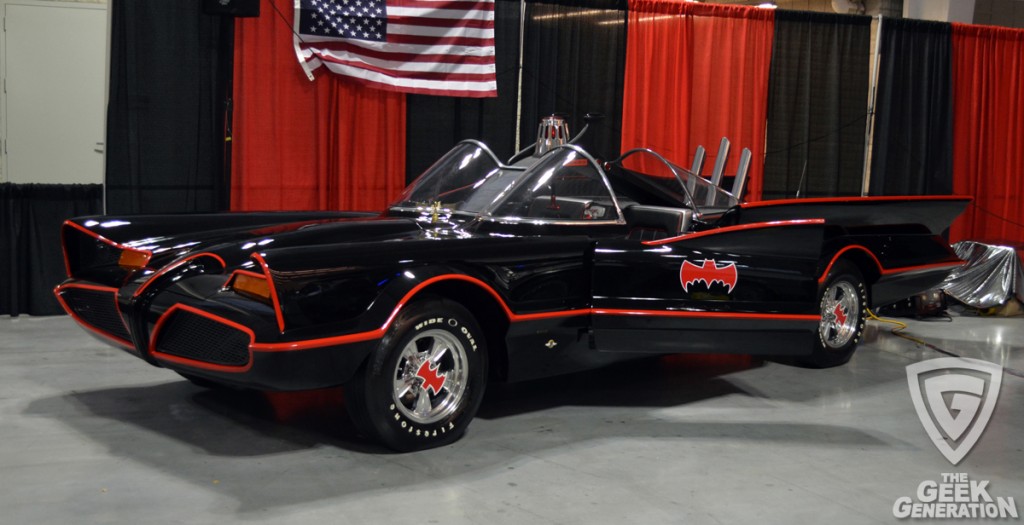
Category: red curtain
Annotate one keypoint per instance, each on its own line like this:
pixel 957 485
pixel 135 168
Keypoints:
pixel 301 145
pixel 988 131
pixel 696 73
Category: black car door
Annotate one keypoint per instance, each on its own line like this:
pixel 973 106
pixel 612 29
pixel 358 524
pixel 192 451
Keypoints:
pixel 740 289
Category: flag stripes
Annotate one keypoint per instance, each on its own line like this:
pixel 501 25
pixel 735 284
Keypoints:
pixel 413 46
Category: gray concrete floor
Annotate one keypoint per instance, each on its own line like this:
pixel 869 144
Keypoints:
pixel 92 435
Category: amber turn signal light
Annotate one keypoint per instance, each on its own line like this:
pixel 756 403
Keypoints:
pixel 133 259
pixel 256 287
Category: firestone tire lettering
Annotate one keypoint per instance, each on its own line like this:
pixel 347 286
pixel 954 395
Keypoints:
pixel 390 401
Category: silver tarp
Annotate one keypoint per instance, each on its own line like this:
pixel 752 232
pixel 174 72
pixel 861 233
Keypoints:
pixel 991 276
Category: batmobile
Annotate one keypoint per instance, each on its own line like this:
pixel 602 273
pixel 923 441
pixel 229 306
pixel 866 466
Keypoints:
pixel 550 263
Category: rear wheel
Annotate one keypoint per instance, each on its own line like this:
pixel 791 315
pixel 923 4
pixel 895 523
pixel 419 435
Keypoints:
pixel 424 382
pixel 843 303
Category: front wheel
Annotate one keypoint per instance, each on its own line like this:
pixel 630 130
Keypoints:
pixel 843 311
pixel 423 384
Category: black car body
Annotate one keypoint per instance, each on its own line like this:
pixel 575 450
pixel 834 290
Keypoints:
pixel 487 271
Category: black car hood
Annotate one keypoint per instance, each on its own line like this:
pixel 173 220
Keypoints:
pixel 235 236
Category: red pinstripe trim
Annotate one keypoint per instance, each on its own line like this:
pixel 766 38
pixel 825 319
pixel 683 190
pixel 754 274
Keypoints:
pixel 98 237
pixel 192 362
pixel 881 269
pixel 851 200
pixel 707 315
pixel 273 290
pixel 174 265
pixel 739 227
pixel 83 323
pixel 512 316
pixel 845 249
pixel 317 343
pixel 379 332
pixel 923 267
pixel 64 251
pixel 550 315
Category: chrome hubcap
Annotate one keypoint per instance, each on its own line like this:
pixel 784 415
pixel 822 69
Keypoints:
pixel 430 378
pixel 840 313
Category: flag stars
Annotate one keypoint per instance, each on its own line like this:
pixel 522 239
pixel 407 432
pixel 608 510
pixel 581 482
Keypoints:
pixel 357 19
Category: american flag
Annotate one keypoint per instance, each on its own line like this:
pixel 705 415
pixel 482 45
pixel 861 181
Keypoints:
pixel 434 47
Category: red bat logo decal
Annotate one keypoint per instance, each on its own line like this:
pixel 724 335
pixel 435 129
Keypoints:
pixel 709 272
pixel 840 314
pixel 431 379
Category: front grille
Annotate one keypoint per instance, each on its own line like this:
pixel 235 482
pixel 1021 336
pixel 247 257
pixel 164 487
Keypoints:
pixel 97 308
pixel 196 337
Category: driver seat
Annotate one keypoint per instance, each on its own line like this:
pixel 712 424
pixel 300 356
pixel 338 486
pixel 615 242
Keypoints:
pixel 650 223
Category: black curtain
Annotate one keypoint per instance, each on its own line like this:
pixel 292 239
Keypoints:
pixel 435 124
pixel 170 67
pixel 817 105
pixel 574 62
pixel 912 151
pixel 32 262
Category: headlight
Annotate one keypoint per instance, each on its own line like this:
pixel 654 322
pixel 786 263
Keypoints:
pixel 251 285
pixel 133 259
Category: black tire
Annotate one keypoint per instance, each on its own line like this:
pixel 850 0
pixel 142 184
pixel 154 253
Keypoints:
pixel 422 385
pixel 843 304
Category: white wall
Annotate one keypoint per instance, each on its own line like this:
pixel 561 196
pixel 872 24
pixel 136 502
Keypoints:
pixel 940 10
pixel 53 64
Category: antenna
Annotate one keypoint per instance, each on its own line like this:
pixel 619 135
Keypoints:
pixel 803 179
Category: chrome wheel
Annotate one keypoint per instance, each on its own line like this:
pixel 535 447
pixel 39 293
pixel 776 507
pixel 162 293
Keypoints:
pixel 840 314
pixel 423 383
pixel 430 377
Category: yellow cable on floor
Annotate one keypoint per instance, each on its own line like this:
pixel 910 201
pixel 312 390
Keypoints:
pixel 900 326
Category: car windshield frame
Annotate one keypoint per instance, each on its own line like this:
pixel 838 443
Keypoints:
pixel 684 177
pixel 536 171
pixel 486 175
pixel 446 180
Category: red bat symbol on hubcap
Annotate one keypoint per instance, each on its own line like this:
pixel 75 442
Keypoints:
pixel 840 314
pixel 431 379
